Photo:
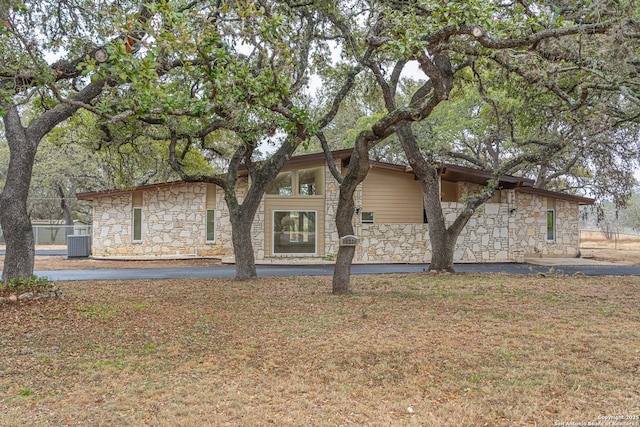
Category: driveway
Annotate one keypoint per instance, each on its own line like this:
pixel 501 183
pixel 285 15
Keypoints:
pixel 228 271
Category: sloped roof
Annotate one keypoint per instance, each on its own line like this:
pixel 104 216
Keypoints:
pixel 448 172
pixel 92 194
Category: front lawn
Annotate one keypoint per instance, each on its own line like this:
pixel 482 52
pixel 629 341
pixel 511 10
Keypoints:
pixel 410 350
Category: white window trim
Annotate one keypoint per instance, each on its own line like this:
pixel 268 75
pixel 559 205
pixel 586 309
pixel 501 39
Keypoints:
pixel 206 224
pixel 273 235
pixel 367 221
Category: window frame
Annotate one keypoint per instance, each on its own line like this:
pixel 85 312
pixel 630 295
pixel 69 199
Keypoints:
pixel 268 191
pixel 551 230
pixel 273 233
pixel 368 221
pixel 207 223
pixel 136 229
pixel 319 186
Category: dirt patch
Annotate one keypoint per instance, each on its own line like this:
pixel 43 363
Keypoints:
pixel 411 350
pixel 624 251
pixel 622 256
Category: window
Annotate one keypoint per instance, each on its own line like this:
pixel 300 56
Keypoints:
pixel 136 231
pixel 281 186
pixel 367 217
pixel 294 232
pixel 551 224
pixel 306 182
pixel 211 225
pixel 311 182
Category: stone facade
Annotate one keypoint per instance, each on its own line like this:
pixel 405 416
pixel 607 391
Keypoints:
pixel 512 226
pixel 497 232
pixel 530 227
pixel 173 223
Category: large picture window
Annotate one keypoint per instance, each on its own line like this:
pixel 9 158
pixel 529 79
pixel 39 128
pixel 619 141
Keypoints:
pixel 136 225
pixel 294 232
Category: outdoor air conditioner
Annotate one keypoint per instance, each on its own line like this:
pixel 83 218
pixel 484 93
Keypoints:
pixel 78 246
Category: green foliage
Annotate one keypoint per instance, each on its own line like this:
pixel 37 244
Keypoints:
pixel 33 284
pixel 25 392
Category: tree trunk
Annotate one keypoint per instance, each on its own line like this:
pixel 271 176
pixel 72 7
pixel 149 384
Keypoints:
pixel 242 246
pixel 23 144
pixel 14 217
pixel 344 217
pixel 443 243
pixel 357 172
pixel 443 240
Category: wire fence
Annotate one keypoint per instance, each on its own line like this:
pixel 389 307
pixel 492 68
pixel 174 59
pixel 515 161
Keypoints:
pixel 611 239
pixel 54 234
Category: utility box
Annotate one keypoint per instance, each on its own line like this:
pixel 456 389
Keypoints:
pixel 78 246
pixel 349 240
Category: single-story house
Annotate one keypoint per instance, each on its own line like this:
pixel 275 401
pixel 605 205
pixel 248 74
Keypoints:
pixel 296 218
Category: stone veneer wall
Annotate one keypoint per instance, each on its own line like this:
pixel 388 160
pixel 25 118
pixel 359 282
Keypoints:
pixel 394 243
pixel 111 225
pixel 493 234
pixel 530 235
pixel 484 239
pixel 173 223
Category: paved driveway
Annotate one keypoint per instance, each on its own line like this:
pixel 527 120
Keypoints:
pixel 593 269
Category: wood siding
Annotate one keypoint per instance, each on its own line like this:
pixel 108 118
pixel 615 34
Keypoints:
pixel 393 197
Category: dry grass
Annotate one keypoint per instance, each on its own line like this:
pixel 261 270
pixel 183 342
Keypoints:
pixel 625 249
pixel 459 350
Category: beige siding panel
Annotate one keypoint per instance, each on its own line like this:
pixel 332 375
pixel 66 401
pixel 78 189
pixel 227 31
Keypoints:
pixel 449 191
pixel 211 196
pixel 136 199
pixel 288 203
pixel 465 189
pixel 394 197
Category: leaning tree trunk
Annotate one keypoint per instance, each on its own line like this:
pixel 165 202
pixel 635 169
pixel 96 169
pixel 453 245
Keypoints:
pixel 14 217
pixel 443 239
